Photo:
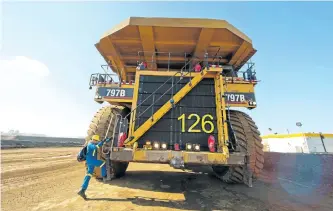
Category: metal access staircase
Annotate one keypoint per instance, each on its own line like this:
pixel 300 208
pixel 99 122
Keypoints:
pixel 166 107
pixel 123 123
pixel 220 86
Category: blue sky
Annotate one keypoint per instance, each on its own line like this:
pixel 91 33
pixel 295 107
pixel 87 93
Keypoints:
pixel 294 60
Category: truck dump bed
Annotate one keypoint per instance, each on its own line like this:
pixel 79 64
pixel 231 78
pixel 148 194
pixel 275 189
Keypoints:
pixel 167 43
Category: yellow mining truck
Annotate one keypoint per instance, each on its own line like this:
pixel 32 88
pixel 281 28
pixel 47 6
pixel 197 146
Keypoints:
pixel 169 85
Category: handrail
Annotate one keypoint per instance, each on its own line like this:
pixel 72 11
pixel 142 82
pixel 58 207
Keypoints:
pixel 162 95
pixel 159 89
pixel 151 94
pixel 103 78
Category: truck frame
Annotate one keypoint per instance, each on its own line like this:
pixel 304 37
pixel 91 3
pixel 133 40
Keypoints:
pixel 164 109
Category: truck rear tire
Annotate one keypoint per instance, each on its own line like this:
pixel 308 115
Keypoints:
pixel 249 141
pixel 99 126
pixel 119 168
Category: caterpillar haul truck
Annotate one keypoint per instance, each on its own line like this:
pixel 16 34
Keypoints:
pixel 162 107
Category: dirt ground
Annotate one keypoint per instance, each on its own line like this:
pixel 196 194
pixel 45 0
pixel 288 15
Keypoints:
pixel 48 179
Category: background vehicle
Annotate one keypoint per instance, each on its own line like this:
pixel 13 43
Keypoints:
pixel 162 111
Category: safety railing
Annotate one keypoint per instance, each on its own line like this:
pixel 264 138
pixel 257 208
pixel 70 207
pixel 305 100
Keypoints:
pixel 189 65
pixel 169 61
pixel 100 78
pixel 104 78
pixel 247 75
pixel 250 72
pixel 166 60
pixel 169 58
pixel 117 117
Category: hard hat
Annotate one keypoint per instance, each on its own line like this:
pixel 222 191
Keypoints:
pixel 95 137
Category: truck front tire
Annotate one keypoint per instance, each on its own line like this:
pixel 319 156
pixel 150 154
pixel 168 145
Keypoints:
pixel 249 141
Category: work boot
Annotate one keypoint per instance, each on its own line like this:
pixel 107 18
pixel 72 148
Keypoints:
pixel 82 193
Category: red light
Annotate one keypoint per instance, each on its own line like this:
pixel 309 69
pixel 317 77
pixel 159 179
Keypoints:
pixel 121 139
pixel 211 143
pixel 177 147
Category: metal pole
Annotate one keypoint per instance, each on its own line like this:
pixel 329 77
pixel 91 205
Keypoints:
pixel 206 61
pixel 152 109
pixel 152 60
pixel 185 61
pixel 107 131
pixel 169 62
pixel 322 141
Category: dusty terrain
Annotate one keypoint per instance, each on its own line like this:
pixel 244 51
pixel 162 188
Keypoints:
pixel 48 179
pixel 38 142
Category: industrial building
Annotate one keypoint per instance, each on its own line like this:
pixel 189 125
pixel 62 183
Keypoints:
pixel 299 143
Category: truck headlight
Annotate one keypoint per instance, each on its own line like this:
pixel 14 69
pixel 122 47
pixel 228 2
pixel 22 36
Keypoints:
pixel 156 145
pixel 164 146
pixel 196 147
pixel 189 146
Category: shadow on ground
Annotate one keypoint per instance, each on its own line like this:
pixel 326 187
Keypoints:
pixel 288 182
pixel 200 190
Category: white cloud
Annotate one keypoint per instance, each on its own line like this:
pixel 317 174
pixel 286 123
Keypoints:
pixel 23 66
pixel 32 102
pixel 22 88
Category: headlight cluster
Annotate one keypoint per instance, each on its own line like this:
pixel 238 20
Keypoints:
pixel 98 96
pixel 252 103
pixel 156 145
pixel 164 146
pixel 192 147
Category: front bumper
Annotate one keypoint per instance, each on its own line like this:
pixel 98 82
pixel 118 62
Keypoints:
pixel 165 156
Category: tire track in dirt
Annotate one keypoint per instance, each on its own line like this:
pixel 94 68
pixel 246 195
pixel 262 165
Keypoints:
pixel 51 184
pixel 22 189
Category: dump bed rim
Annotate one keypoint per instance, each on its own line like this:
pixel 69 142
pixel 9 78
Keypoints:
pixel 177 23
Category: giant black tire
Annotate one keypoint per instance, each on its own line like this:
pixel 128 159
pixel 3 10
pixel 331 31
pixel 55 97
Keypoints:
pixel 249 141
pixel 99 126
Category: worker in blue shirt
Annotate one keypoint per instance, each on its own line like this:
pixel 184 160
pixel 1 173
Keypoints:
pixel 92 162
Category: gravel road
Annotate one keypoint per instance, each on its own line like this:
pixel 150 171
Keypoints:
pixel 48 179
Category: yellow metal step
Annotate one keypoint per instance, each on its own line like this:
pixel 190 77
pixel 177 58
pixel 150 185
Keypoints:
pixel 167 106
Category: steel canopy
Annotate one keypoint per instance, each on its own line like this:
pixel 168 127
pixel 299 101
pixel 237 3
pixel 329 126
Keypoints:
pixel 138 38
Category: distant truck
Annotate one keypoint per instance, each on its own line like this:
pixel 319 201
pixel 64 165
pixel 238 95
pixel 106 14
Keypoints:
pixel 171 84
